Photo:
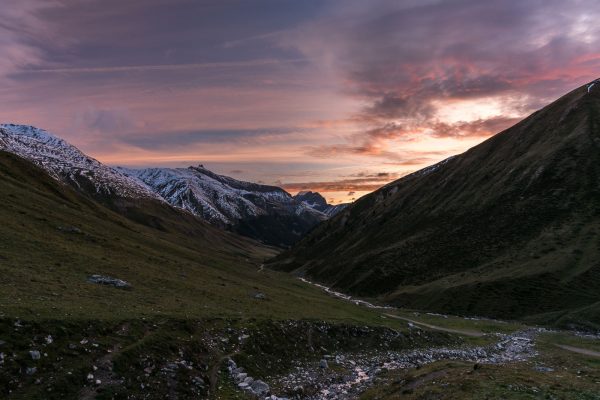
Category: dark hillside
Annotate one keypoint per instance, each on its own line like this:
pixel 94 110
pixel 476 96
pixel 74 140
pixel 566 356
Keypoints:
pixel 509 228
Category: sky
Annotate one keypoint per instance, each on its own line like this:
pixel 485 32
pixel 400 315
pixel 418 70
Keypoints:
pixel 337 96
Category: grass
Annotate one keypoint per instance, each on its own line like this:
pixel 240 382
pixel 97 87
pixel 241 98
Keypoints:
pixel 457 380
pixel 45 262
pixel 194 289
pixel 193 298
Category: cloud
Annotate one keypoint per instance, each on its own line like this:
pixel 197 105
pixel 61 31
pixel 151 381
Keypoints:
pixel 405 59
pixel 20 21
pixel 105 120
pixel 161 67
pixel 174 139
pixel 361 182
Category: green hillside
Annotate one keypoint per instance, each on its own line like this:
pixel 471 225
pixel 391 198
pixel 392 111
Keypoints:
pixel 52 239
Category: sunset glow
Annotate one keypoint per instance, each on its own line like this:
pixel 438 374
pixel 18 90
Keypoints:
pixel 338 97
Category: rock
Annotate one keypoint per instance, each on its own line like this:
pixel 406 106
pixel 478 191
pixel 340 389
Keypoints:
pixel 241 376
pixel 323 364
pixel 31 370
pixel 90 377
pixel 69 229
pixel 35 355
pixel 260 296
pixel 541 368
pixel 249 380
pixel 49 339
pixel 260 388
pixel 107 280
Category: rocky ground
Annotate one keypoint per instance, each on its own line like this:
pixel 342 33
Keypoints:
pixel 345 376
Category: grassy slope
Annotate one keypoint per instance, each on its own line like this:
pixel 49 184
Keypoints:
pixel 207 273
pixel 193 297
pixel 508 229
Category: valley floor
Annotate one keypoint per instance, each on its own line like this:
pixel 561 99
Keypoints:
pixel 392 354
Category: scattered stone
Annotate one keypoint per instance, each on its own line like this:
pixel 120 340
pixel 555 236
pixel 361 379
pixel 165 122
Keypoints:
pixel 260 296
pixel 107 280
pixel 541 368
pixel 35 355
pixel 323 364
pixel 49 339
pixel 31 370
pixel 241 376
pixel 69 229
pixel 260 388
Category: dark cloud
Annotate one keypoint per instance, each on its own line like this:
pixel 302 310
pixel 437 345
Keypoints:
pixel 477 128
pixel 178 139
pixel 342 185
pixel 359 182
pixel 106 120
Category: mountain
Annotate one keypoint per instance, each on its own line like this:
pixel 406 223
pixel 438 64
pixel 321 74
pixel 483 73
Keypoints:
pixel 266 213
pixel 65 162
pixel 316 201
pixel 508 229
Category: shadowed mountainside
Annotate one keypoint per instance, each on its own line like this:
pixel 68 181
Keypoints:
pixel 509 228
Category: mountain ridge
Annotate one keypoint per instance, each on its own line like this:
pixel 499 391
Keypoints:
pixel 514 215
pixel 264 212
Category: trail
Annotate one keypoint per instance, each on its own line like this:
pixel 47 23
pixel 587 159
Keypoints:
pixel 579 350
pixel 438 328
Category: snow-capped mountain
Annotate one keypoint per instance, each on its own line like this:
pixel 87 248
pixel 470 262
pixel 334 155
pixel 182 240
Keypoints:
pixel 266 213
pixel 316 201
pixel 68 164
pixel 250 208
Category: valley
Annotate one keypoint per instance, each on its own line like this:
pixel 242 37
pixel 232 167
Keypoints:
pixel 116 286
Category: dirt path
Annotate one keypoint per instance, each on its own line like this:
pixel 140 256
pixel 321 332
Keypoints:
pixel 439 328
pixel 579 350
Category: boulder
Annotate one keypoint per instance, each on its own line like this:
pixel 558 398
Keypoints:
pixel 260 388
pixel 107 280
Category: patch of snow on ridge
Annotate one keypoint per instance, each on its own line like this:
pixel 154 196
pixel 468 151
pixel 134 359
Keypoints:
pixel 219 199
pixel 67 163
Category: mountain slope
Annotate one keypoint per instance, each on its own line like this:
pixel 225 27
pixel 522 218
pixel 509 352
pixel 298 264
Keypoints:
pixel 262 212
pixel 65 162
pixel 53 238
pixel 509 228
